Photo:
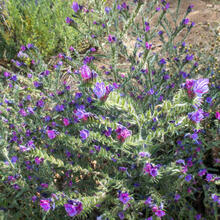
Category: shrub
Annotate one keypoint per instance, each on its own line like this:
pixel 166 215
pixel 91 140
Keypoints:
pixel 131 145
pixel 40 22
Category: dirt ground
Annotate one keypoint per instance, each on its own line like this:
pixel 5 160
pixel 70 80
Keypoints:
pixel 205 14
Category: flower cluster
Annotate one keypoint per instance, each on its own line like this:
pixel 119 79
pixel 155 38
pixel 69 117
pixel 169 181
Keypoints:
pixel 197 87
pixel 155 209
pixel 102 91
pixel 122 133
pixel 73 208
pixel 124 197
pixel 151 169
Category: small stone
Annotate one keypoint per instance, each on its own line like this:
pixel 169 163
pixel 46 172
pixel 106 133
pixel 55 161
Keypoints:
pixel 209 6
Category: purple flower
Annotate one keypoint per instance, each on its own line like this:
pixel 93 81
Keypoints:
pixel 148 201
pixel 51 134
pixel 34 198
pixel 144 154
pixel 45 204
pixel 23 148
pixel 11 178
pixel 59 108
pixel 177 197
pixel 198 216
pixel 215 198
pixel 16 186
pixel 166 77
pixel 30 110
pixel 92 49
pixel 217 115
pixel 111 38
pixel 38 160
pixel 40 103
pixel 23 48
pixel 167 6
pixel 201 87
pixel 86 73
pixel 70 209
pixel 160 33
pixel 22 112
pixel 100 90
pixel 14 159
pixel 88 59
pixel 108 132
pixel 196 116
pixel 30 143
pixel 124 197
pixel 157 8
pixel 151 91
pixel 18 64
pixel 121 215
pixel 185 21
pixel 107 10
pixel 66 121
pixel 84 134
pixel 148 46
pixel 75 7
pixel 189 57
pixel 194 136
pixel 69 20
pixel 147 168
pixel 189 9
pixel 37 84
pixel 78 95
pixel 7 74
pixel 14 78
pixel 188 178
pixel 209 100
pixel 123 169
pixel 29 46
pixel 162 62
pixel 153 172
pixel 73 207
pixel 47 118
pixel 44 185
pixel 124 6
pixel 209 177
pixel 160 213
pixel 122 133
pixel 80 114
pixel 147 27
pixel 202 172
pixel 150 169
pixel 97 148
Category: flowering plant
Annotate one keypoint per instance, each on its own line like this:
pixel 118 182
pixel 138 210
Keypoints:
pixel 126 141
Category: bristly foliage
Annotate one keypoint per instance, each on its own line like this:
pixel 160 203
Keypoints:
pixel 134 145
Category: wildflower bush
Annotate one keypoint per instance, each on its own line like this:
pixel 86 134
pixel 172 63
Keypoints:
pixel 134 139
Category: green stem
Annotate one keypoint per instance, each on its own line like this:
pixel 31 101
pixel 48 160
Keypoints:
pixel 127 26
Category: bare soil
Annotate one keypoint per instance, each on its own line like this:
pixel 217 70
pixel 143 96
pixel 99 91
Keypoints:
pixel 205 15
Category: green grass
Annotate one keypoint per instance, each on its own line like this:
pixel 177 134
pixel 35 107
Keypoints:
pixel 42 24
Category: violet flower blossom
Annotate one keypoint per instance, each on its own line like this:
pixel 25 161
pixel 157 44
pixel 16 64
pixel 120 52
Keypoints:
pixel 124 197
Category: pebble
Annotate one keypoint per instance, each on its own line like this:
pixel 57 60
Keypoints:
pixel 209 5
